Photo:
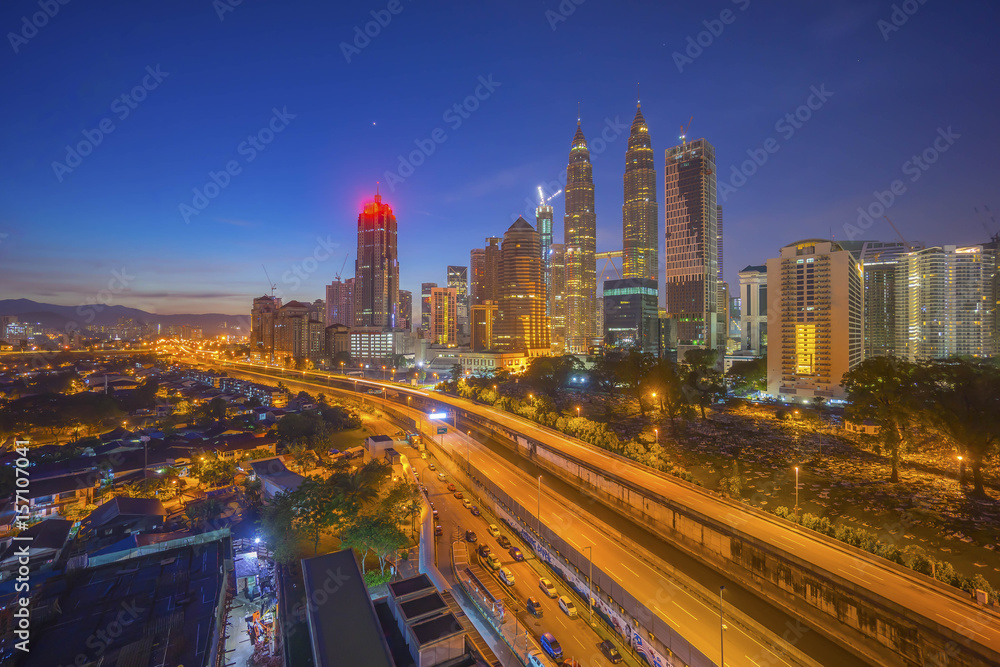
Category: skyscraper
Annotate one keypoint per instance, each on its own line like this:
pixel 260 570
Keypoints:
pixel 522 325
pixel 262 317
pixel 543 223
pixel 880 263
pixel 338 295
pixel 691 242
pixel 347 301
pixel 477 276
pixel 640 221
pixel 557 297
pixel 376 270
pixel 491 272
pixel 580 227
pixel 458 279
pixel 753 309
pixel 425 306
pixel 405 320
pixel 816 318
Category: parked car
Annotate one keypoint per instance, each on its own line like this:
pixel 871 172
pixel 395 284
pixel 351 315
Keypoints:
pixel 610 652
pixel 442 476
pixel 484 550
pixel 474 510
pixel 438 531
pixel 516 554
pixel 434 513
pixel 467 504
pixel 550 645
pixel 470 536
pixel 506 575
pixel 547 588
pixel 451 487
pixel 537 659
pixel 534 607
pixel 493 530
pixel 493 562
pixel 458 494
pixel 503 542
pixel 432 466
pixel 567 606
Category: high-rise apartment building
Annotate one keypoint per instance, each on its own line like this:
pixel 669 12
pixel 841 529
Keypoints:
pixel 299 333
pixel 425 306
pixel 557 297
pixel 640 216
pixel 691 242
pixel 347 301
pixel 262 316
pixel 815 318
pixel 444 316
pixel 880 265
pixel 405 320
pixel 753 309
pixel 376 270
pixel 946 302
pixel 543 223
pixel 580 228
pixel 477 276
pixel 484 317
pixel 458 278
pixel 521 323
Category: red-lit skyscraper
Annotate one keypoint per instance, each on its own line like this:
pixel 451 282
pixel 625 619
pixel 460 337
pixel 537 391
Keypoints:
pixel 376 271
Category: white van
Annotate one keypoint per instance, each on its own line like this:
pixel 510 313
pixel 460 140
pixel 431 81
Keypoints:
pixel 507 576
pixel 567 606
pixel 538 659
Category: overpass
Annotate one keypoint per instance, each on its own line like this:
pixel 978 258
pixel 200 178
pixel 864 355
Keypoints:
pixel 884 612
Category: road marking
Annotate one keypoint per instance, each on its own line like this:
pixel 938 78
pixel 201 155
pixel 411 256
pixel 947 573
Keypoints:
pixel 630 569
pixel 666 616
pixel 752 660
pixel 684 610
pixel 964 629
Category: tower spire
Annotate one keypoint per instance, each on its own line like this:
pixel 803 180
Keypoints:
pixel 378 197
pixel 578 114
pixel 638 97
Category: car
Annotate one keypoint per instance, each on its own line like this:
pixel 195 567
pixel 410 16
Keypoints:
pixel 431 466
pixel 534 607
pixel 484 550
pixel 550 645
pixel 503 542
pixel 610 652
pixel 423 455
pixel 571 663
pixel 547 588
pixel 451 487
pixel 506 575
pixel 567 606
pixel 494 563
pixel 458 495
pixel 474 510
pixel 438 531
pixel 434 513
pixel 470 536
pixel 537 659
pixel 493 530
pixel 467 504
pixel 442 476
pixel 516 554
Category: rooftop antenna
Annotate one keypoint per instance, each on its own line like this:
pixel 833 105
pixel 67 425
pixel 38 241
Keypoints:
pixel 273 285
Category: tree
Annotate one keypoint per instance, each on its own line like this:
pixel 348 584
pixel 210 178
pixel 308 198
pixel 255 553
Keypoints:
pixel 212 471
pixel 277 519
pixel 667 380
pixel 746 377
pixel 201 514
pixel 313 504
pixel 548 375
pixel 882 390
pixel 960 399
pixel 703 383
pixel 632 368
pixel 375 533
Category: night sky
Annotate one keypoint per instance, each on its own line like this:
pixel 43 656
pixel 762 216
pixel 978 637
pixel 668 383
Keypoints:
pixel 208 83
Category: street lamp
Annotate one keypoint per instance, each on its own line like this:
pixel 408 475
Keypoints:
pixel 657 432
pixel 796 493
pixel 961 470
pixel 722 631
pixel 578 411
pixel 590 583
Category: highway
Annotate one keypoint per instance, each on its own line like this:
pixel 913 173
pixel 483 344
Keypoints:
pixel 682 610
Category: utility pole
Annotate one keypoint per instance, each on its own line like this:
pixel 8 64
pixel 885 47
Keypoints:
pixel 722 631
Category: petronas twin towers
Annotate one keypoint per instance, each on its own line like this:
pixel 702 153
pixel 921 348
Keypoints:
pixel 639 229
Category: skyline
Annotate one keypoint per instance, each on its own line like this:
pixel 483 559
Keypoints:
pixel 119 210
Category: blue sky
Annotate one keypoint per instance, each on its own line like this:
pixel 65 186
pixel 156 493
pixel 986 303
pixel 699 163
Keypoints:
pixel 65 230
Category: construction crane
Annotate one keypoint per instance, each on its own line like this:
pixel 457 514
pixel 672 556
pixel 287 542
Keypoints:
pixel 994 236
pixel 274 286
pixel 684 132
pixel 337 275
pixel 894 228
pixel 542 200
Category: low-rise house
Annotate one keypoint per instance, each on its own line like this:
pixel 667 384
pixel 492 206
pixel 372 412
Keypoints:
pixel 48 498
pixel 48 540
pixel 275 477
pixel 124 516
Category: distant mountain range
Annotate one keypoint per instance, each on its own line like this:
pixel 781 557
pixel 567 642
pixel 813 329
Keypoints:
pixel 52 316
